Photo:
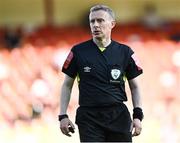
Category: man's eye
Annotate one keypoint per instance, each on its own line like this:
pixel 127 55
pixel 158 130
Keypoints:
pixel 92 21
pixel 100 20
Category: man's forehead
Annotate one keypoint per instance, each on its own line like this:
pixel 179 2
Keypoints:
pixel 98 14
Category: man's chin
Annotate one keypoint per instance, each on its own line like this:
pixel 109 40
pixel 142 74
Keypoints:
pixel 98 37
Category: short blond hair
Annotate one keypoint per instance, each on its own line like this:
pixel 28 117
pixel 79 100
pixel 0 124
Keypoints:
pixel 104 8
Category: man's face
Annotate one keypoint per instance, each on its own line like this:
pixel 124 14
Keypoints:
pixel 101 24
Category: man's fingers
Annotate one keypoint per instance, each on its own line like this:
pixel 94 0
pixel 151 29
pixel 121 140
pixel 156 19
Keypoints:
pixel 65 131
pixel 131 128
pixel 137 131
pixel 135 134
pixel 66 127
pixel 67 134
pixel 71 124
pixel 137 127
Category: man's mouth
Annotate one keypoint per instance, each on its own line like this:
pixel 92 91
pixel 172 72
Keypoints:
pixel 96 32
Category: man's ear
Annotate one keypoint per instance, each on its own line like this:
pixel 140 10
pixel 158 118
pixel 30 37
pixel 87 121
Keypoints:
pixel 113 23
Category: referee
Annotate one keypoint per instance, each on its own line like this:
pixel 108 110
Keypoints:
pixel 101 66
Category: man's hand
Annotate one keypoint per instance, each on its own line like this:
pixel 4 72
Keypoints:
pixel 136 124
pixel 65 124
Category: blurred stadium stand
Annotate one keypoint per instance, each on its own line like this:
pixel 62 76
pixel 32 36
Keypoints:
pixel 30 81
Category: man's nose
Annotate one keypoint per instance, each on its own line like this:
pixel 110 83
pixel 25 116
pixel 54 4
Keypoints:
pixel 96 24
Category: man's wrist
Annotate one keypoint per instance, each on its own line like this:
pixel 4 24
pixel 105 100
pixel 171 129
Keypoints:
pixel 62 116
pixel 138 113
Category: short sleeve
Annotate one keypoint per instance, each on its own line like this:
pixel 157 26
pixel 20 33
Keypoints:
pixel 133 68
pixel 70 65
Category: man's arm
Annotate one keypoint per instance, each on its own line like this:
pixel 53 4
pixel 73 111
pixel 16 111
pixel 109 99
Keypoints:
pixel 136 100
pixel 66 94
pixel 64 102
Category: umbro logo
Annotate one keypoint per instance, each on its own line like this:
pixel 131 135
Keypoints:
pixel 87 69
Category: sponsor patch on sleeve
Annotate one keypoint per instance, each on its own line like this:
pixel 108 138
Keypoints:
pixel 68 60
pixel 137 62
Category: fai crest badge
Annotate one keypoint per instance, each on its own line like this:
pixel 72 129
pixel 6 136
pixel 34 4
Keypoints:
pixel 115 73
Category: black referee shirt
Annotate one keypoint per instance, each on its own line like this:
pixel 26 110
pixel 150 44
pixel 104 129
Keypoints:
pixel 102 74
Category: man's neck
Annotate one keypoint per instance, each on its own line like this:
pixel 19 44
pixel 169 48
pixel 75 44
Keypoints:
pixel 102 42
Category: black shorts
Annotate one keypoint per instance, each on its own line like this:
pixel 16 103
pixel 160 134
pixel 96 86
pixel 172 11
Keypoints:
pixel 104 124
